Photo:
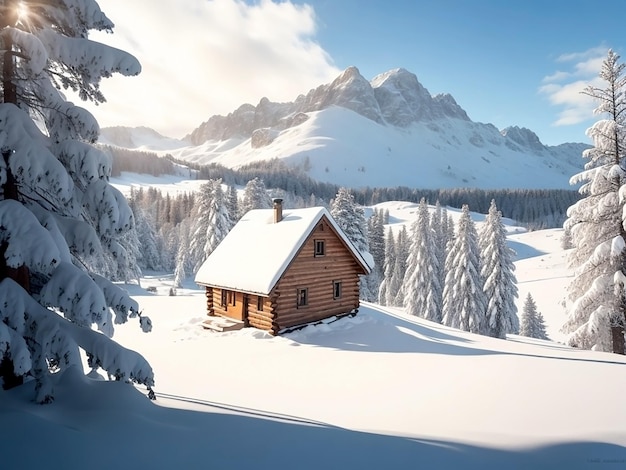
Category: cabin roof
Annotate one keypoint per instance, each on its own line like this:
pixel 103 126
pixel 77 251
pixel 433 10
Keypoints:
pixel 257 251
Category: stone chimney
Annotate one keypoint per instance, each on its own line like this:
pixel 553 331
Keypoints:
pixel 278 210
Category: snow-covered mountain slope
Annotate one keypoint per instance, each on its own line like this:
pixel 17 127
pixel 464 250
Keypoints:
pixel 385 132
pixel 138 138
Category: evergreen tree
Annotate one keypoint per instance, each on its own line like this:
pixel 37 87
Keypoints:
pixel 376 242
pixel 57 208
pixel 211 222
pixel 597 302
pixel 498 272
pixel 151 257
pixel 233 203
pixel 255 196
pixel 439 226
pixel 399 271
pixel 351 219
pixel 532 323
pixel 422 289
pixel 464 302
pixel 385 296
pixel 183 260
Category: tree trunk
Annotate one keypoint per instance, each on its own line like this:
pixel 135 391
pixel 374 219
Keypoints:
pixel 617 332
pixel 9 190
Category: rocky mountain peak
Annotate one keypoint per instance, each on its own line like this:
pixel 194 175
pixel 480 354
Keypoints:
pixel 394 98
pixel 523 137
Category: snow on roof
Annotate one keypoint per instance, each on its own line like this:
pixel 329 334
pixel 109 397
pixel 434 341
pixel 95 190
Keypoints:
pixel 256 252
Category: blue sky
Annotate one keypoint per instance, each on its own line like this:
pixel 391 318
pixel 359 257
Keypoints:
pixel 508 63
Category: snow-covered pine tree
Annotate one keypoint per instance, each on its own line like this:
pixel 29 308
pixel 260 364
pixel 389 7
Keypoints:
pixel 376 243
pixel 151 257
pixel 211 222
pixel 421 287
pixel 384 295
pixel 255 196
pixel 597 302
pixel 233 203
pixel 57 208
pixel 394 291
pixel 439 226
pixel 464 302
pixel 351 219
pixel 184 263
pixel 532 324
pixel 498 272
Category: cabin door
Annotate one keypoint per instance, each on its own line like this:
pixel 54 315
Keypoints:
pixel 240 309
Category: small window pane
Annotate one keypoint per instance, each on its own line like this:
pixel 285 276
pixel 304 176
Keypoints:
pixel 320 248
pixel 336 289
pixel 303 297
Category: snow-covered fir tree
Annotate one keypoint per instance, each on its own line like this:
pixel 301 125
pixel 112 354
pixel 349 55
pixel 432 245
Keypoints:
pixel 498 272
pixel 597 303
pixel 464 302
pixel 422 288
pixel 211 222
pixel 232 201
pixel 399 270
pixel 439 226
pixel 184 262
pixel 532 323
pixel 376 244
pixel 57 208
pixel 351 219
pixel 385 296
pixel 255 196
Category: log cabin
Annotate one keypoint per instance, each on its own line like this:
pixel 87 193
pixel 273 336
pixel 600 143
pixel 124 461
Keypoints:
pixel 276 270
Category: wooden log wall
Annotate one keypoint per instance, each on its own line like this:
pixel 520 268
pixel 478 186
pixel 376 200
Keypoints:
pixel 209 301
pixel 317 274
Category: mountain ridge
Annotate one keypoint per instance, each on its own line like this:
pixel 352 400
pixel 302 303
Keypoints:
pixel 389 131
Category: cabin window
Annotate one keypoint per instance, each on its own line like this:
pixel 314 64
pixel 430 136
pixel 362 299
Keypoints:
pixel 303 297
pixel 320 248
pixel 224 298
pixel 259 303
pixel 231 298
pixel 336 290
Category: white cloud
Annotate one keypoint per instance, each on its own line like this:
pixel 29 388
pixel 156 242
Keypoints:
pixel 208 57
pixel 564 88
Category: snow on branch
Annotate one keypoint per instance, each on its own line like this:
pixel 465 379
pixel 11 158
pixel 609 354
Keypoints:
pixel 54 339
pixel 107 208
pixel 27 241
pixel 32 50
pixel 82 12
pixel 119 362
pixel 76 294
pixel 81 238
pixel 84 162
pixel 32 163
pixel 12 345
pixel 72 52
pixel 117 299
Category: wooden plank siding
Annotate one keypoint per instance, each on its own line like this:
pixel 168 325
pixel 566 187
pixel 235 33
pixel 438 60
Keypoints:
pixel 317 274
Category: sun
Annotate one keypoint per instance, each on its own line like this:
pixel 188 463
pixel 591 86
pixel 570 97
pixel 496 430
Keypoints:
pixel 22 12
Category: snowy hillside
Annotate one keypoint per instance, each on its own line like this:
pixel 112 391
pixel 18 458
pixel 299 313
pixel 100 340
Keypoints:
pixel 138 138
pixel 381 390
pixel 383 133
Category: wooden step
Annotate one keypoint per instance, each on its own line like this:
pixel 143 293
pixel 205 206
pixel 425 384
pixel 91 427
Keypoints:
pixel 221 324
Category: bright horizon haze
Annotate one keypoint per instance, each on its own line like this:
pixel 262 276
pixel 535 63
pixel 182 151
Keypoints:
pixel 522 63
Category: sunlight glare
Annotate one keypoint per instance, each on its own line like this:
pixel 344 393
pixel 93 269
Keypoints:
pixel 22 12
